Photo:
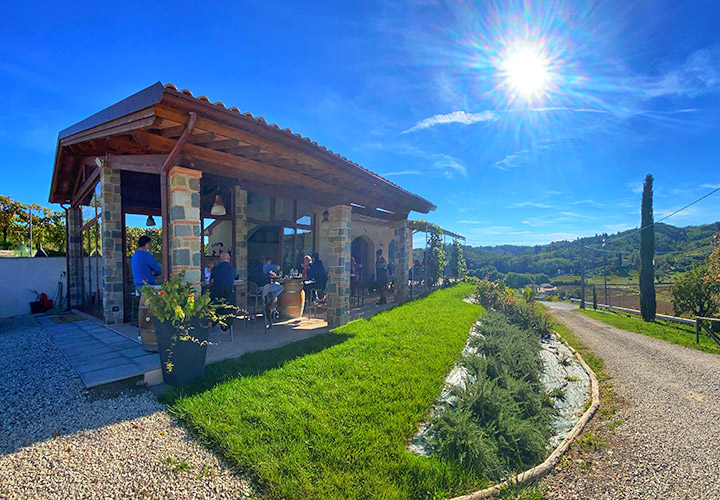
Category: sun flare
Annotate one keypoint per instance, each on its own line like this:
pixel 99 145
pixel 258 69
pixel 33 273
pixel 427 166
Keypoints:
pixel 526 72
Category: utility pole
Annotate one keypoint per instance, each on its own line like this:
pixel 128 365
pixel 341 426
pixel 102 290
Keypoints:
pixel 582 274
pixel 605 271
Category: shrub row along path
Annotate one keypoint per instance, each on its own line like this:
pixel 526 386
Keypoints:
pixel 669 445
pixel 58 440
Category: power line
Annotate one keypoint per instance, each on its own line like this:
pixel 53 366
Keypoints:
pixel 667 216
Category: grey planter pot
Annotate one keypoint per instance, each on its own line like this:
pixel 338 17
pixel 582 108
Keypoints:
pixel 188 358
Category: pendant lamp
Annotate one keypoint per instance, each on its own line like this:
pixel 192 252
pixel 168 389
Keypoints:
pixel 150 222
pixel 218 207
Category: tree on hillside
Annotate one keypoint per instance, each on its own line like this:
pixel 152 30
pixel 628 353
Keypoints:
pixel 436 255
pixel 712 276
pixel 695 294
pixel 458 269
pixel 648 305
pixel 10 224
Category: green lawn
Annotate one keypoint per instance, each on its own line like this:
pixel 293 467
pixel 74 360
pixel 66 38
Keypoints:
pixel 675 333
pixel 330 417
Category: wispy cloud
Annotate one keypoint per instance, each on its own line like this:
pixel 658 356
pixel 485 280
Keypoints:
pixel 402 172
pixel 635 187
pixel 588 202
pixel 529 204
pixel 449 165
pixel 711 186
pixel 462 117
pixel 697 75
pixel 473 222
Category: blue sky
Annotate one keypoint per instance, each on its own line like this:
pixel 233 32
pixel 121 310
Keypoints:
pixel 415 91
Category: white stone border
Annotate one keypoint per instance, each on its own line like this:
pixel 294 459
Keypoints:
pixel 549 463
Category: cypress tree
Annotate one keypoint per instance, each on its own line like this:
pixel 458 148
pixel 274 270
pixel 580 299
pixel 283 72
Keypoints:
pixel 594 298
pixel 648 305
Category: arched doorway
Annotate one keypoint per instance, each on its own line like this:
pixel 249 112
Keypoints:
pixel 363 250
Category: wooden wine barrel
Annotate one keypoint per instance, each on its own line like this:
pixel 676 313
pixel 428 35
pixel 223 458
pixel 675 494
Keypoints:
pixel 292 301
pixel 147 326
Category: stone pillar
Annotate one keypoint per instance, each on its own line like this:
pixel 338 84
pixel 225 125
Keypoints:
pixel 74 257
pixel 338 266
pixel 241 245
pixel 403 241
pixel 184 215
pixel 112 257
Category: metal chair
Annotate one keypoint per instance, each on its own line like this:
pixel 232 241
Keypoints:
pixel 312 300
pixel 255 297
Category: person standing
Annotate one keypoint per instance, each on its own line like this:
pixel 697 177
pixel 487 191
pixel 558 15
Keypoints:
pixel 381 275
pixel 143 265
pixel 222 281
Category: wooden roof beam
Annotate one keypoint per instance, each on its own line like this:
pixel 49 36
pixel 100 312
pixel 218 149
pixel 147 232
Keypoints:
pixel 368 180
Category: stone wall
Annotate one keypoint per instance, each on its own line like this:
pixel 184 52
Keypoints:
pixel 75 258
pixel 241 245
pixel 338 266
pixel 112 245
pixel 184 215
pixel 403 241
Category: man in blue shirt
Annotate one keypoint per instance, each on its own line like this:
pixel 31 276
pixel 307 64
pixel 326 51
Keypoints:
pixel 271 290
pixel 222 280
pixel 143 264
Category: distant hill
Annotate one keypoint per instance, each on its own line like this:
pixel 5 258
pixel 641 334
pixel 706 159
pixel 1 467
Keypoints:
pixel 677 249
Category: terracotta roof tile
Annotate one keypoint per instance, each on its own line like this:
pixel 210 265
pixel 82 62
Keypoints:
pixel 261 120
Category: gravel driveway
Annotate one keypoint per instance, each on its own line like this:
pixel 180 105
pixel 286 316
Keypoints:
pixel 669 446
pixel 58 440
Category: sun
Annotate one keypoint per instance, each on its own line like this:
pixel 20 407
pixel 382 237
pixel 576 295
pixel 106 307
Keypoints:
pixel 526 72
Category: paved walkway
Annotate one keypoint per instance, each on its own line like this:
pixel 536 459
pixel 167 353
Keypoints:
pixel 669 444
pixel 98 354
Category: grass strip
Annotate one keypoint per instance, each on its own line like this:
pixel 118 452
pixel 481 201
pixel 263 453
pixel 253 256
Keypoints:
pixel 331 417
pixel 674 333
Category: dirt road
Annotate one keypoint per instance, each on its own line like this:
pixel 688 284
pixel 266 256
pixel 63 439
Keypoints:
pixel 669 444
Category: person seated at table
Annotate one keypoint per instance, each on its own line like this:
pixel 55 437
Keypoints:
pixel 271 290
pixel 306 263
pixel 208 270
pixel 143 265
pixel 318 276
pixel 222 281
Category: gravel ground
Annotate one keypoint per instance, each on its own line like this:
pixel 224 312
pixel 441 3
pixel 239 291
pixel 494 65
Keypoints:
pixel 58 440
pixel 669 445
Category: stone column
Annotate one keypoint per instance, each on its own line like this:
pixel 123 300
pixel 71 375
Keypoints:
pixel 112 258
pixel 241 245
pixel 184 215
pixel 74 257
pixel 338 266
pixel 403 240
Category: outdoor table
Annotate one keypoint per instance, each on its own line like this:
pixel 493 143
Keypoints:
pixel 291 301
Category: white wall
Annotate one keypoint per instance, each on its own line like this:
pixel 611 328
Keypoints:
pixel 17 275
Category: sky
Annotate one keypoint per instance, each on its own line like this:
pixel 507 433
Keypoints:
pixel 524 122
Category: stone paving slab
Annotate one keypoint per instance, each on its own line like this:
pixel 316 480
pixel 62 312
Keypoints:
pixel 99 355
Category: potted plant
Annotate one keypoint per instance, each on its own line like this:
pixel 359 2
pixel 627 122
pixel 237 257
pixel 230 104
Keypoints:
pixel 183 319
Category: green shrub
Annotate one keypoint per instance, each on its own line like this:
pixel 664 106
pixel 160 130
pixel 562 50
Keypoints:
pixel 501 422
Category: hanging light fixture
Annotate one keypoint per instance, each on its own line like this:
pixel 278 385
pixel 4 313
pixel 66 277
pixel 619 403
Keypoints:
pixel 150 222
pixel 325 216
pixel 218 207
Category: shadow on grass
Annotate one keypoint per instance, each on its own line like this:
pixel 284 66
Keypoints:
pixel 254 363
